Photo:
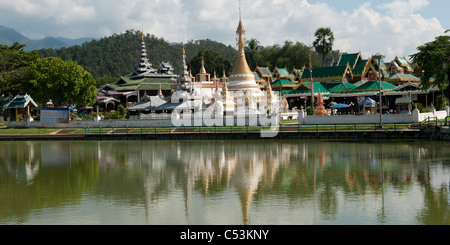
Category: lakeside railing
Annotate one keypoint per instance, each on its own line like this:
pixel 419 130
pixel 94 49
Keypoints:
pixel 434 122
pixel 286 128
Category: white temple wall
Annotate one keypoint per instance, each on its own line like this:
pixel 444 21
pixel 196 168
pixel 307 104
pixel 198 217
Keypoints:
pixel 414 117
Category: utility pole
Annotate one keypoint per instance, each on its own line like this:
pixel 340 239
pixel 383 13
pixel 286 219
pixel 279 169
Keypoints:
pixel 310 72
pixel 378 57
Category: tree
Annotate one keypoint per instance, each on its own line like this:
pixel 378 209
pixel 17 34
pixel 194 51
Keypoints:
pixel 324 42
pixel 64 82
pixel 105 80
pixel 251 49
pixel 433 59
pixel 213 63
pixel 117 55
pixel 14 67
pixel 290 55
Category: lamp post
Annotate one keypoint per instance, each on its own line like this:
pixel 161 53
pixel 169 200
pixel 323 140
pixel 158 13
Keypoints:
pixel 378 57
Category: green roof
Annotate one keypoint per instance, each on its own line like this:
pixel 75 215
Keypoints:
pixel 283 72
pixel 403 77
pixel 359 68
pixel 133 81
pixel 395 64
pixel 21 101
pixel 129 84
pixel 341 87
pixel 350 59
pixel 264 71
pixel 382 64
pixel 318 87
pixel 144 87
pixel 403 61
pixel 282 82
pixel 287 91
pixel 374 86
pixel 257 76
pixel 325 72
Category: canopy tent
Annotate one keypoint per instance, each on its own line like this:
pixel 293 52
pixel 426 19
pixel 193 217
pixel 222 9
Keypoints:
pixel 339 106
pixel 368 101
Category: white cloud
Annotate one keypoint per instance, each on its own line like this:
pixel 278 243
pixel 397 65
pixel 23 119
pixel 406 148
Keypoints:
pixel 61 11
pixel 394 28
pixel 402 7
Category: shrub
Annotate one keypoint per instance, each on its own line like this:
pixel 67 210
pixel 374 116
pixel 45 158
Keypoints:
pixel 114 115
pixel 441 101
pixel 419 107
pixel 121 110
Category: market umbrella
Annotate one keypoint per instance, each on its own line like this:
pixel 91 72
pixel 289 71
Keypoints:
pixel 367 101
pixel 339 106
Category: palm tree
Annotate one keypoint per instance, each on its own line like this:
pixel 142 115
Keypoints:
pixel 324 42
pixel 251 49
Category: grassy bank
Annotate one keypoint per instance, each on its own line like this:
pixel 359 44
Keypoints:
pixel 27 131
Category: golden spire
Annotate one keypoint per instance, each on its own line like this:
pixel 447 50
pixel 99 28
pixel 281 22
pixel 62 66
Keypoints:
pixel 202 69
pixel 160 91
pixel 241 67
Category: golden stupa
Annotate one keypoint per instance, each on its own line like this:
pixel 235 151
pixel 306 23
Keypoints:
pixel 243 78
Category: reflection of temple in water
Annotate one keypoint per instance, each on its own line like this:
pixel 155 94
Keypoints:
pixel 151 171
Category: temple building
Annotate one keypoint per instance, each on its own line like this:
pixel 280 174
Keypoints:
pixel 159 106
pixel 264 74
pixel 205 86
pixel 348 80
pixel 144 80
pixel 351 79
pixel 240 93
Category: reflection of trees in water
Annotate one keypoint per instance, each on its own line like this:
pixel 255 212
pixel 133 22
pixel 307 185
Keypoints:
pixel 36 175
pixel 146 172
pixel 436 207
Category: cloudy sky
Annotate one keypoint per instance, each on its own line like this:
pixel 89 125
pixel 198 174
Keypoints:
pixel 394 27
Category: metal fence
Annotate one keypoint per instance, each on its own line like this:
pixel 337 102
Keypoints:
pixel 287 128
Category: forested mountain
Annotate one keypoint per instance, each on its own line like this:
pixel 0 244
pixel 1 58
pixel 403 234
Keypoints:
pixel 8 36
pixel 109 58
pixel 118 54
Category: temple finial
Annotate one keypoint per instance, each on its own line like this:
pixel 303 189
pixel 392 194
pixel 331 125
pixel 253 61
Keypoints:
pixel 240 11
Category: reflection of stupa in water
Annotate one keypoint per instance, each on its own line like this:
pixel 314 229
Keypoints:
pixel 246 178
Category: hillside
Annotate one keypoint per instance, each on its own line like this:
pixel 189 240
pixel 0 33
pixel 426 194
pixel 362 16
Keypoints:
pixel 117 55
pixel 8 36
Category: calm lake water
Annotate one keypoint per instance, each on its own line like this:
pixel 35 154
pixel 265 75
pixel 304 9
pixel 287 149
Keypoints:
pixel 224 182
